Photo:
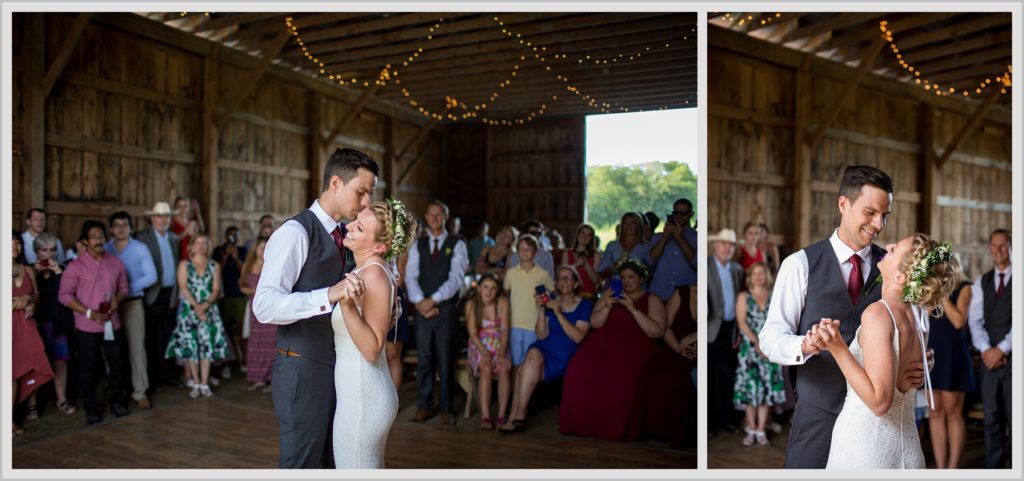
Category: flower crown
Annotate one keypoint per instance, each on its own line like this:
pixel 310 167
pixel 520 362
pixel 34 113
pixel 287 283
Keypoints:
pixel 399 220
pixel 635 265
pixel 941 254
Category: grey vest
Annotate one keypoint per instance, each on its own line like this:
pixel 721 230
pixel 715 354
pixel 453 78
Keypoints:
pixel 819 381
pixel 997 311
pixel 313 338
pixel 434 272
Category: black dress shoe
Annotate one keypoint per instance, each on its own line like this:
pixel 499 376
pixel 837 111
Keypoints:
pixel 91 419
pixel 118 410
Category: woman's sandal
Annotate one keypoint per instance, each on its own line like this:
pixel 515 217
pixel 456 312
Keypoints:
pixel 31 413
pixel 486 424
pixel 66 407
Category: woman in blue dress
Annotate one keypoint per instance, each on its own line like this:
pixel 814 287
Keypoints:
pixel 562 322
pixel 952 378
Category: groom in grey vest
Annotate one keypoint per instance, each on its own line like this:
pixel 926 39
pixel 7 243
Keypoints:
pixel 304 265
pixel 835 279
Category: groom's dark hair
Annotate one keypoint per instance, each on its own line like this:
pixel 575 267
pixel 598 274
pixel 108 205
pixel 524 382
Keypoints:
pixel 344 163
pixel 857 176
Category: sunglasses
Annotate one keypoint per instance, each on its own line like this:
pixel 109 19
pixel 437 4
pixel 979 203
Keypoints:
pixel 682 212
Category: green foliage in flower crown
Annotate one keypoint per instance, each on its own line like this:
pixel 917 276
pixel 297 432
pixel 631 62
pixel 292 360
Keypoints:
pixel 923 268
pixel 400 219
pixel 633 264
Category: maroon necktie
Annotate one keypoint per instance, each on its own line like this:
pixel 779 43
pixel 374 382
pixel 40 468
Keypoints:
pixel 339 236
pixel 856 279
pixel 433 255
pixel 1002 285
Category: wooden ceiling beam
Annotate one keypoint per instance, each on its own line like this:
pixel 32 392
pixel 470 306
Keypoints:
pixel 1004 54
pixel 976 73
pixel 900 24
pixel 834 23
pixel 268 28
pixel 986 40
pixel 233 19
pixel 776 21
pixel 957 30
pixel 357 28
pixel 64 54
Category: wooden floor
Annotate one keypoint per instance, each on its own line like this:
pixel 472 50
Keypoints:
pixel 236 429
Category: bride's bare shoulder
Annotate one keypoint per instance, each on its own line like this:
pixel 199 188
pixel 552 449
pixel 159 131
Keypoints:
pixel 876 319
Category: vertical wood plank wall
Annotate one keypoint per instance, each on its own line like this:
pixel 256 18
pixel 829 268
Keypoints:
pixel 753 103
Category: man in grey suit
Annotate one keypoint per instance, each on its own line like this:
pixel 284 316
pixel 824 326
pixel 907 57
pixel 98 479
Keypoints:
pixel 304 267
pixel 725 280
pixel 160 300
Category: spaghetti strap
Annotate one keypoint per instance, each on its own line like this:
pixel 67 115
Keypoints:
pixel 378 264
pixel 891 316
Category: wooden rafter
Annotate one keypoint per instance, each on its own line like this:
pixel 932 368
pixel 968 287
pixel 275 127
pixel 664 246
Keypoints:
pixel 834 23
pixel 866 61
pixel 64 54
pixel 968 129
pixel 269 53
pixel 352 114
pixel 421 136
pixel 270 27
pixel 957 30
pixel 974 72
pixel 899 25
pixel 234 19
pixel 959 46
pixel 997 53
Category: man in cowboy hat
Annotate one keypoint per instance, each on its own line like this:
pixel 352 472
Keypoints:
pixel 725 279
pixel 161 298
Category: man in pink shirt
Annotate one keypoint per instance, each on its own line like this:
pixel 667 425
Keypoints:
pixel 92 286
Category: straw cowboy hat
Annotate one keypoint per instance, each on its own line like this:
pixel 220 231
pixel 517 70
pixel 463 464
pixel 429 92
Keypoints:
pixel 724 235
pixel 160 208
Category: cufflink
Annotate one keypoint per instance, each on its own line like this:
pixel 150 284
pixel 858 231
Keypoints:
pixel 323 308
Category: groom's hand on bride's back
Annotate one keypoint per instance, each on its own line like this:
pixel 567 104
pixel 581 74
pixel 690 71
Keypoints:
pixel 913 376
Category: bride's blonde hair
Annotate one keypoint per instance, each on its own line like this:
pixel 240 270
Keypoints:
pixel 932 272
pixel 397 228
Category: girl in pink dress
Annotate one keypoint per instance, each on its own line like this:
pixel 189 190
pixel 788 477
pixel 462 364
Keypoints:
pixel 487 318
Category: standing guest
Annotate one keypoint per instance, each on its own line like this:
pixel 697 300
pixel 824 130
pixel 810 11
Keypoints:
pixel 186 211
pixel 93 286
pixel 477 244
pixel 725 278
pixel 434 275
pixel 991 322
pixel 585 257
pixel 653 221
pixel 487 319
pixel 952 377
pixel 557 245
pixel 758 383
pixel 599 395
pixel 199 339
pixel 748 253
pixel 497 258
pixel 668 398
pixel 266 222
pixel 35 224
pixel 54 319
pixel 138 263
pixel 562 323
pixel 673 252
pixel 191 230
pixel 161 298
pixel 29 366
pixel 522 283
pixel 259 356
pixel 629 243
pixel 229 256
pixel 542 257
pixel 454 227
pixel 770 249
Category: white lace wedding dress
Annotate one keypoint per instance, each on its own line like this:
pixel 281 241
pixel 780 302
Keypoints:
pixel 367 400
pixel 861 440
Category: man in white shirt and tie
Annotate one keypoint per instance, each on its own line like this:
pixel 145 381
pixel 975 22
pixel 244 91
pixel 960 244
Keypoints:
pixel 990 319
pixel 833 279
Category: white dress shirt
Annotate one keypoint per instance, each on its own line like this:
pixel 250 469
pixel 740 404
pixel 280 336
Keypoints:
pixel 976 314
pixel 450 288
pixel 285 254
pixel 778 337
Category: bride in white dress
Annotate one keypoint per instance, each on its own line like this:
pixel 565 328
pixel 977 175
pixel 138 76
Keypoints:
pixel 367 400
pixel 876 428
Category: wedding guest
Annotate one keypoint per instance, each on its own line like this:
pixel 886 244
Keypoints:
pixel 185 211
pixel 770 249
pixel 30 368
pixel 653 221
pixel 725 279
pixel 557 244
pixel 55 322
pixel 600 388
pixel 199 338
pixel 629 243
pixel 758 383
pixel 487 319
pixel 542 258
pixel 35 224
pixel 748 252
pixel 161 299
pixel 952 378
pixel 522 283
pixel 585 257
pixel 266 228
pixel 495 259
pixel 673 252
pixel 477 244
pixel 259 356
pixel 230 257
pixel 562 323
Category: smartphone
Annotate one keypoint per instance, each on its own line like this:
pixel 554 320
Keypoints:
pixel 616 288
pixel 541 291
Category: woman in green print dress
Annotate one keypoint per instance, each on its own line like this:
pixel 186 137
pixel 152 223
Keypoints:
pixel 759 383
pixel 199 337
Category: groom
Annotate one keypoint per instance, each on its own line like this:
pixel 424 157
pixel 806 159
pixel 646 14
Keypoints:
pixel 833 278
pixel 304 265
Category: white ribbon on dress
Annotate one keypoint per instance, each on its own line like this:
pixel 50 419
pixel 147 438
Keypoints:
pixel 923 325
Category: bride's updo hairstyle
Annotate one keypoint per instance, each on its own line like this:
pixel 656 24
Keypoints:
pixel 932 272
pixel 397 227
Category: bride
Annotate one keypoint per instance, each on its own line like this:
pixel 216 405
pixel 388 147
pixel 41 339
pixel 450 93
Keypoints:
pixel 876 429
pixel 367 400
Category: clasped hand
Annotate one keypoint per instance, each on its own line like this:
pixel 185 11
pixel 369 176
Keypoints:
pixel 348 290
pixel 823 336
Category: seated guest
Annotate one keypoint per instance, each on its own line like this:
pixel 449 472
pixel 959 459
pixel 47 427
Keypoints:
pixel 54 320
pixel 600 389
pixel 487 319
pixel 629 244
pixel 668 397
pixel 562 323
pixel 584 257
pixel 496 259
pixel 758 383
pixel 29 368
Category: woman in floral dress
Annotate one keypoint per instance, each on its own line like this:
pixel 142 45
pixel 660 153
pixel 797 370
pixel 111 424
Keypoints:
pixel 759 383
pixel 199 337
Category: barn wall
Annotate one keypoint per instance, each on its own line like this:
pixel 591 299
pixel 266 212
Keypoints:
pixel 124 130
pixel 755 95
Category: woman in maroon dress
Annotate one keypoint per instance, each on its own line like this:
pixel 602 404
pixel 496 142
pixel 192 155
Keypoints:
pixel 260 349
pixel 668 398
pixel 749 253
pixel 30 368
pixel 585 257
pixel 601 381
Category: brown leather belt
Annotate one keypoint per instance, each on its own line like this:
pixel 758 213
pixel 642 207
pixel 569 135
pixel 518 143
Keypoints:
pixel 288 353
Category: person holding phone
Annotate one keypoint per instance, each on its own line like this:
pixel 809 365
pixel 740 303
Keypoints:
pixel 673 252
pixel 54 319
